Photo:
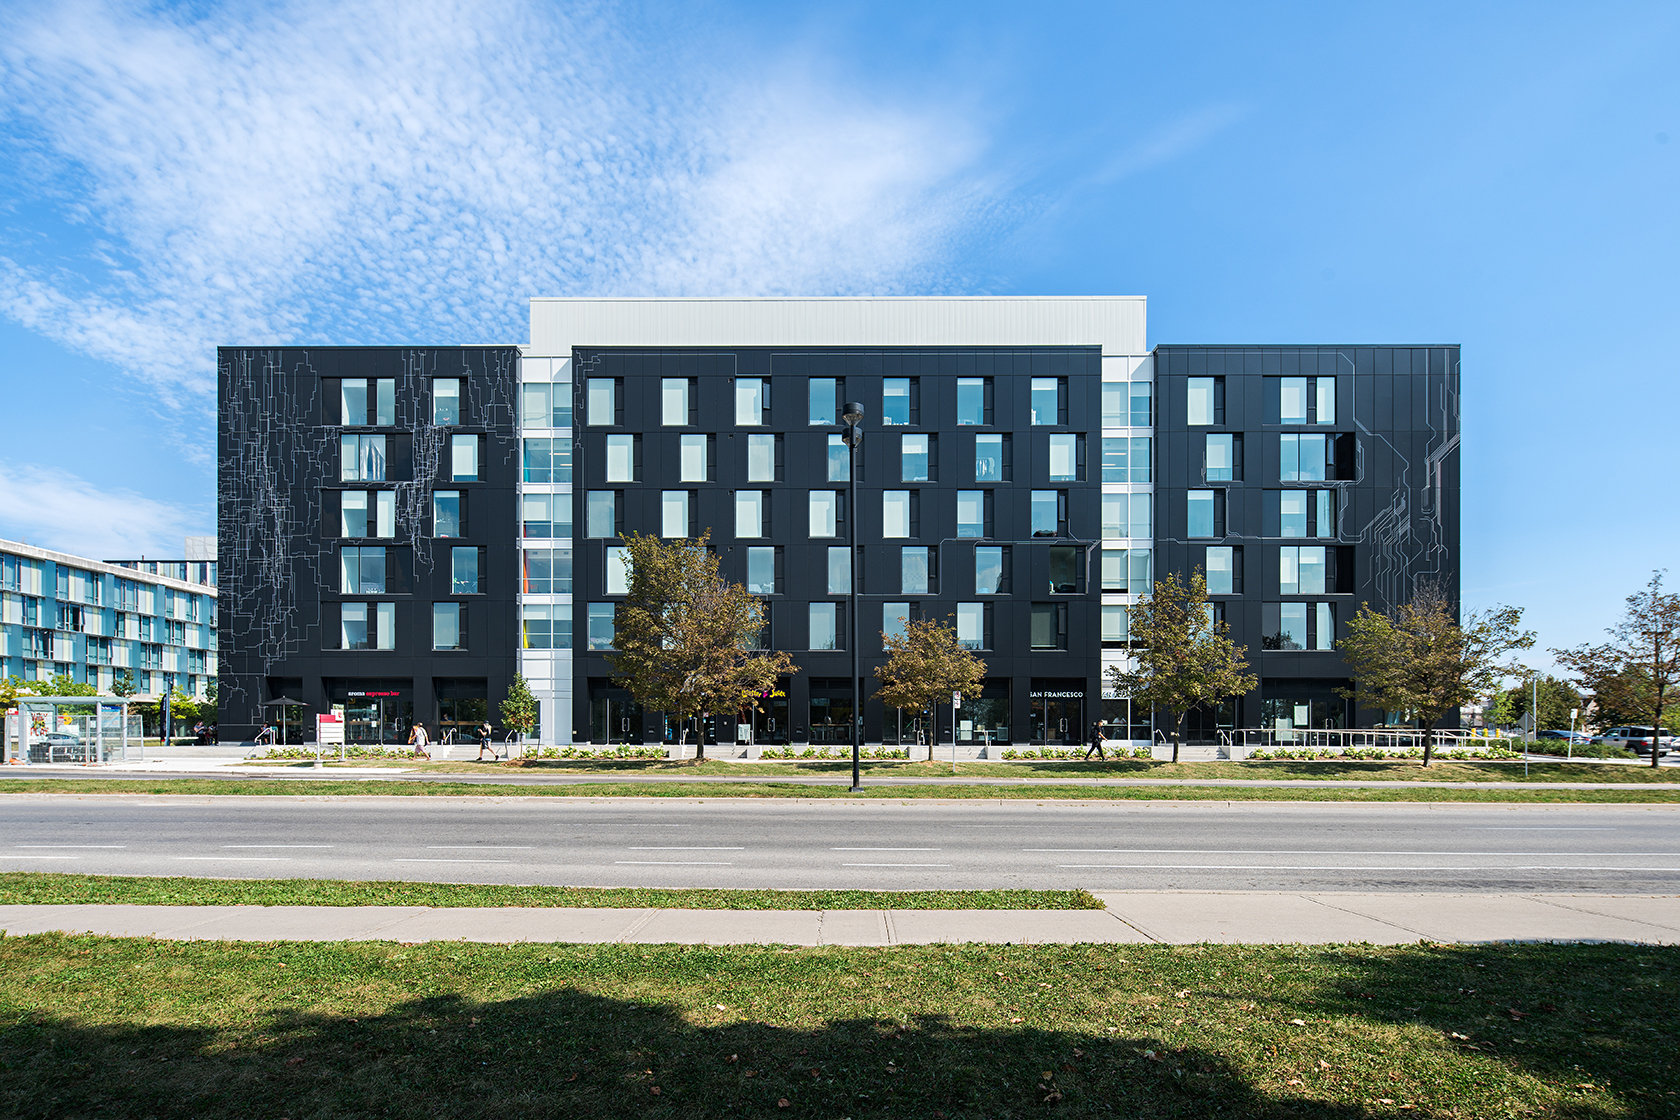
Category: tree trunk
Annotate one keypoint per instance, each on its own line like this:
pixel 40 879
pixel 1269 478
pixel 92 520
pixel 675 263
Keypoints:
pixel 1178 730
pixel 699 739
pixel 1428 743
pixel 1656 731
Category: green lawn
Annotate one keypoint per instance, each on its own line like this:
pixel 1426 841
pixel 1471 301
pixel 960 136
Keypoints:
pixel 877 787
pixel 129 1028
pixel 45 888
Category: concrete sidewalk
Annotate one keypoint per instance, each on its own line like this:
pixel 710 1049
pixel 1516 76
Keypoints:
pixel 1174 918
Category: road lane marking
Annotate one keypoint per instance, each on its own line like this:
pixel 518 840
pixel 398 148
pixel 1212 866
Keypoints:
pixel 285 846
pixel 1541 828
pixel 89 846
pixel 1321 851
pixel 886 849
pixel 1353 867
pixel 895 865
pixel 669 863
pixel 236 859
pixel 10 855
pixel 418 859
pixel 480 847
pixel 646 848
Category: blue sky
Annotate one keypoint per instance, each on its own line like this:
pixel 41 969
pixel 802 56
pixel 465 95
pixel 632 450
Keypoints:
pixel 1504 176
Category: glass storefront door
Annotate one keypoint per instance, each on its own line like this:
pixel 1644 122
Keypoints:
pixel 1058 716
pixel 462 716
pixel 377 720
pixel 614 719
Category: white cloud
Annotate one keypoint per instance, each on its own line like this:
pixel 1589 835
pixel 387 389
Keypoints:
pixel 399 171
pixel 57 510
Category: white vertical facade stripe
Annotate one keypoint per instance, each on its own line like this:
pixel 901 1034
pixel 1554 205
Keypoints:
pixel 548 671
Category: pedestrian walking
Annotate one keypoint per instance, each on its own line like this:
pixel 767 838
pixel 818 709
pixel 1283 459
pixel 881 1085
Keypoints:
pixel 421 741
pixel 484 742
pixel 1097 741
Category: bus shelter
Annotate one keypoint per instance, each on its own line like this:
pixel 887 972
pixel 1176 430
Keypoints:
pixel 83 729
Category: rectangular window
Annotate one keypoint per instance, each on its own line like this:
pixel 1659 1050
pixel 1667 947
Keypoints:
pixel 385 402
pixel 1125 458
pixel 971 513
pixel 972 404
pixel 1048 400
pixel 1115 413
pixel 825 513
pixel 366 626
pixel 989 465
pixel 673 514
pixel 839 571
pixel 544 626
pixel 1205 401
pixel 353 401
pixel 1064 570
pixel 1292 400
pixel 600 401
pixel 749 513
pixel 761 458
pixel 988 570
pixel 361 458
pixel 617 575
pixel 692 454
pixel 601 618
pixel 546 571
pixel 895 617
pixel 1049 513
pixel 752 402
pixel 825 626
pixel 546 516
pixel 621 458
pixel 1302 458
pixel 1301 570
pixel 362 571
pixel 446 626
pixel 1306 400
pixel 914 458
pixel 823 398
pixel 898 401
pixel 971 625
pixel 1219 457
pixel 1324 632
pixel 463 570
pixel 1199 513
pixel 463 458
pixel 1064 457
pixel 839 459
pixel 1283 626
pixel 1127 515
pixel 1142 404
pixel 1324 513
pixel 673 401
pixel 601 513
pixel 913 571
pixel 761 570
pixel 536 404
pixel 446 401
pixel 895 513
pixel 1324 393
pixel 1115 626
pixel 1220 570
pixel 1049 626
pixel 1292 513
pixel 1126 570
pixel 546 460
pixel 353 513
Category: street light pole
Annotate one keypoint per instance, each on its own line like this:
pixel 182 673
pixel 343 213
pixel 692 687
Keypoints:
pixel 852 414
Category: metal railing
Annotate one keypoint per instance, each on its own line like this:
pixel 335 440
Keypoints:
pixel 1343 739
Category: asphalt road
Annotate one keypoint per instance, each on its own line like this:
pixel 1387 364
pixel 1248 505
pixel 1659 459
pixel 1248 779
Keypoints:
pixel 872 845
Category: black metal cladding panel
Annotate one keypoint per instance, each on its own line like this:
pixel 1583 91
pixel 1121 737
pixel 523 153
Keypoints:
pixel 1399 512
pixel 278 480
pixel 804 467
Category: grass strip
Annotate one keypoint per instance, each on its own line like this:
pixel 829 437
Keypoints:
pixel 882 788
pixel 134 1028
pixel 22 888
pixel 1392 770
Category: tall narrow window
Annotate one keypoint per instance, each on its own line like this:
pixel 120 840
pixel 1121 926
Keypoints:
pixel 463 570
pixel 823 396
pixel 913 571
pixel 1115 628
pixel 1220 570
pixel 971 401
pixel 536 403
pixel 1064 457
pixel 839 571
pixel 618 570
pixel 1219 457
pixel 673 401
pixel 353 401
pixel 446 400
pixel 988 570
pixel 1199 513
pixel 463 458
pixel 752 401
pixel 1064 570
pixel 446 513
pixel 446 626
pixel 1205 401
pixel 1292 400
pixel 895 513
pixel 601 401
pixel 824 623
pixel 971 513
pixel 673 514
pixel 1142 412
pixel 601 622
pixel 1048 515
pixel 1115 412
pixel 761 570
pixel 1324 510
pixel 825 513
pixel 839 459
pixel 691 455
pixel 601 513
pixel 989 458
pixel 1324 632
pixel 895 617
pixel 1049 626
pixel 353 513
pixel 1049 400
pixel 971 625
pixel 761 458
pixel 749 513
pixel 621 458
pixel 1324 392
pixel 914 458
pixel 897 401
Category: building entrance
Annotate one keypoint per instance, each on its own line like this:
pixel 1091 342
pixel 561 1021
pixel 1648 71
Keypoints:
pixel 1058 712
pixel 613 716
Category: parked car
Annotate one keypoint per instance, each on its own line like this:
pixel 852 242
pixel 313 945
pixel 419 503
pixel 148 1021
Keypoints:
pixel 1567 736
pixel 1638 739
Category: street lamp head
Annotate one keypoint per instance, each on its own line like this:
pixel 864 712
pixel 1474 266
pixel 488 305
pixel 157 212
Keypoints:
pixel 852 413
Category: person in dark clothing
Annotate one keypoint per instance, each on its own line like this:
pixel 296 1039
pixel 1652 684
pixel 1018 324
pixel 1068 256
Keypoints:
pixel 484 742
pixel 1097 741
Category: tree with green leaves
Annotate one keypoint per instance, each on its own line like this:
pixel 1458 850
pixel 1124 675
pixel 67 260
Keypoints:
pixel 1181 658
pixel 519 707
pixel 1638 669
pixel 1556 699
pixel 925 664
pixel 1418 660
pixel 123 684
pixel 686 640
